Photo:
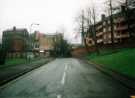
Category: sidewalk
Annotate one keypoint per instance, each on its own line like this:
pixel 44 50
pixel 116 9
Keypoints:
pixel 123 79
pixel 9 73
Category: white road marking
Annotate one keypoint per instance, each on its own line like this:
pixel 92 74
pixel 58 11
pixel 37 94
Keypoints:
pixel 66 67
pixel 59 96
pixel 63 78
pixel 64 75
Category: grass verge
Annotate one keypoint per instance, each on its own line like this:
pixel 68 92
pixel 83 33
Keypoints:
pixel 122 61
pixel 15 61
pixel 19 61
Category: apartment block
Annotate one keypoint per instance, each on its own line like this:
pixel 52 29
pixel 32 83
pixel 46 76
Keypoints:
pixel 121 31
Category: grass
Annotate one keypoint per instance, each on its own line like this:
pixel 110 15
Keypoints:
pixel 122 61
pixel 19 61
pixel 16 61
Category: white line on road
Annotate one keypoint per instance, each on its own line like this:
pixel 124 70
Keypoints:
pixel 66 67
pixel 64 75
pixel 63 78
pixel 59 96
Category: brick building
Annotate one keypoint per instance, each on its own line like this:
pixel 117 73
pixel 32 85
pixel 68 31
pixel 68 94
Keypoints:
pixel 16 42
pixel 44 43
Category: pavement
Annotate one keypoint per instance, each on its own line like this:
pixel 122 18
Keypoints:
pixel 9 73
pixel 65 78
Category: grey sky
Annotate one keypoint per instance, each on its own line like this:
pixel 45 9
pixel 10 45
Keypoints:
pixel 50 14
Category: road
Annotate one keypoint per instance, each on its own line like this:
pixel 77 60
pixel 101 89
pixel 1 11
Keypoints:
pixel 64 78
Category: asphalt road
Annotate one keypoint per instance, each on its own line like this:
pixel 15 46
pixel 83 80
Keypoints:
pixel 64 78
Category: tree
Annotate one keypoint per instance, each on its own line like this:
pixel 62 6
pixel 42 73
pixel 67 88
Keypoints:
pixel 83 31
pixel 94 29
pixel 127 11
pixel 113 8
pixel 110 12
pixel 87 26
pixel 61 48
pixel 89 22
pixel 111 21
pixel 91 25
pixel 128 5
pixel 81 24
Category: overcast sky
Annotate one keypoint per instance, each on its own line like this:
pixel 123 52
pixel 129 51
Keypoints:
pixel 50 14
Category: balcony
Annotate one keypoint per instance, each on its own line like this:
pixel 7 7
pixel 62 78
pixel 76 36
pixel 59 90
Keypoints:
pixel 121 28
pixel 99 40
pixel 119 20
pixel 99 27
pixel 99 34
pixel 122 36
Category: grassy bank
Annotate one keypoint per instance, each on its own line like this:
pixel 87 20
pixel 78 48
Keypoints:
pixel 16 61
pixel 19 61
pixel 122 61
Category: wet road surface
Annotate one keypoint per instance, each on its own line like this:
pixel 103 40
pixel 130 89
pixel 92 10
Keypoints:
pixel 64 78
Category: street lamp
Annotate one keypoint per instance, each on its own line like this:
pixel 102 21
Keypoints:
pixel 28 53
pixel 33 25
pixel 31 34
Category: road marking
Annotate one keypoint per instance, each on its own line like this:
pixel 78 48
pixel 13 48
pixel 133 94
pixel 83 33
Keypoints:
pixel 64 75
pixel 66 67
pixel 63 78
pixel 59 96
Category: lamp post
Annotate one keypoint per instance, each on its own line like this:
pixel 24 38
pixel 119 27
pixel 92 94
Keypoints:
pixel 33 25
pixel 31 33
pixel 31 39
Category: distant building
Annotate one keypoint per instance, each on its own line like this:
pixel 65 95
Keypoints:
pixel 44 43
pixel 16 42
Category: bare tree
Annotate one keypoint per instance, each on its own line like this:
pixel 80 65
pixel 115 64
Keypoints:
pixel 110 12
pixel 94 29
pixel 128 5
pixel 87 25
pixel 111 21
pixel 89 22
pixel 81 21
pixel 91 25
pixel 113 8
pixel 82 26
pixel 126 11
